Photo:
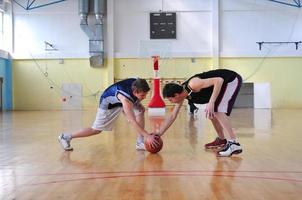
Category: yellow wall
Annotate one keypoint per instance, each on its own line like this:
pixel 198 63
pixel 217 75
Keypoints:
pixel 31 89
pixel 283 74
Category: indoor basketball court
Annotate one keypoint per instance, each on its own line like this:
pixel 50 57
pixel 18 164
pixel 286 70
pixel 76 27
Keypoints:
pixel 62 67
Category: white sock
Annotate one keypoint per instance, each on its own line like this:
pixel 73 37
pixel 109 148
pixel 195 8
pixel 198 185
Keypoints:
pixel 140 139
pixel 67 136
pixel 232 140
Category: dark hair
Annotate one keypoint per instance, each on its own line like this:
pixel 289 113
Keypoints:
pixel 140 85
pixel 170 89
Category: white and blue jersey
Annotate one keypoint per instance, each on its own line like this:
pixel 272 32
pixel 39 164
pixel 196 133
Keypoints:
pixel 109 98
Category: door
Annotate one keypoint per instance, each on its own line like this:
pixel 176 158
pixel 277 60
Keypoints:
pixel 1 81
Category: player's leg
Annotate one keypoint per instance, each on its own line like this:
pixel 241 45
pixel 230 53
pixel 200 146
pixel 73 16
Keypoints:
pixel 220 141
pixel 86 132
pixel 140 118
pixel 223 110
pixel 232 146
pixel 104 120
pixel 65 138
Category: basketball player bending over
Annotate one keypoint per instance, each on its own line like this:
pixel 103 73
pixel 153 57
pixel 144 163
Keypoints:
pixel 216 88
pixel 126 96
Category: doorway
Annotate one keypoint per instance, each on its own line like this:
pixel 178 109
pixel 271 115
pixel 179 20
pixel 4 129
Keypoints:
pixel 1 81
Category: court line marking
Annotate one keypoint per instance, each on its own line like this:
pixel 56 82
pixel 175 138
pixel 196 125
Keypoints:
pixel 165 174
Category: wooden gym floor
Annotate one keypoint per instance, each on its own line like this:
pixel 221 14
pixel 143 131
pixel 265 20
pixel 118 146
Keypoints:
pixel 107 166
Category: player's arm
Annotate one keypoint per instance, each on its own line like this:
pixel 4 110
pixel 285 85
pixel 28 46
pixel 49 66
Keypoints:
pixel 140 107
pixel 197 84
pixel 128 109
pixel 170 119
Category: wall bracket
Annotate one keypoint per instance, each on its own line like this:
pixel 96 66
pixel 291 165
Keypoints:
pixel 296 44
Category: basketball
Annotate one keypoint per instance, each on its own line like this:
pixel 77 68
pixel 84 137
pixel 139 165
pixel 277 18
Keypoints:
pixel 154 149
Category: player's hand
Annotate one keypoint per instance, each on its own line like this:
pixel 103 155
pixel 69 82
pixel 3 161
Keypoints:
pixel 151 139
pixel 210 110
pixel 141 108
pixel 159 134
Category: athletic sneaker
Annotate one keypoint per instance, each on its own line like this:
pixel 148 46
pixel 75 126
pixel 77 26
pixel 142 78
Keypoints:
pixel 65 142
pixel 229 149
pixel 216 143
pixel 140 146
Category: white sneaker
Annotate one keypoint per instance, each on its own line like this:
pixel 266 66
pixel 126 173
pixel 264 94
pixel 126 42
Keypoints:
pixel 140 146
pixel 229 149
pixel 65 143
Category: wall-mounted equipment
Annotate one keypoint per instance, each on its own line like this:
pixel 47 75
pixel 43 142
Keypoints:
pixel 279 43
pixel 163 25
pixel 49 46
pixel 93 32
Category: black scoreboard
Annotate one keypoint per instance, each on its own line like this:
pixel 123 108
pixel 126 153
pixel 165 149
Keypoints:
pixel 163 25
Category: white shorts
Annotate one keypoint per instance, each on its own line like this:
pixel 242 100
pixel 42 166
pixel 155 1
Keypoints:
pixel 105 119
pixel 225 105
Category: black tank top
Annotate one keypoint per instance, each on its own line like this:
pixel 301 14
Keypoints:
pixel 204 95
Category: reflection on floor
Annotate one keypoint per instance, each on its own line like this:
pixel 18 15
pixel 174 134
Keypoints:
pixel 107 166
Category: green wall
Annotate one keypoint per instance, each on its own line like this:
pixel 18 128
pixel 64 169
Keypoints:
pixel 6 74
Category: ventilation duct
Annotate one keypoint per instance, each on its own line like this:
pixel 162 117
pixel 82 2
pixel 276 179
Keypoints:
pixel 94 33
pixel 4 5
